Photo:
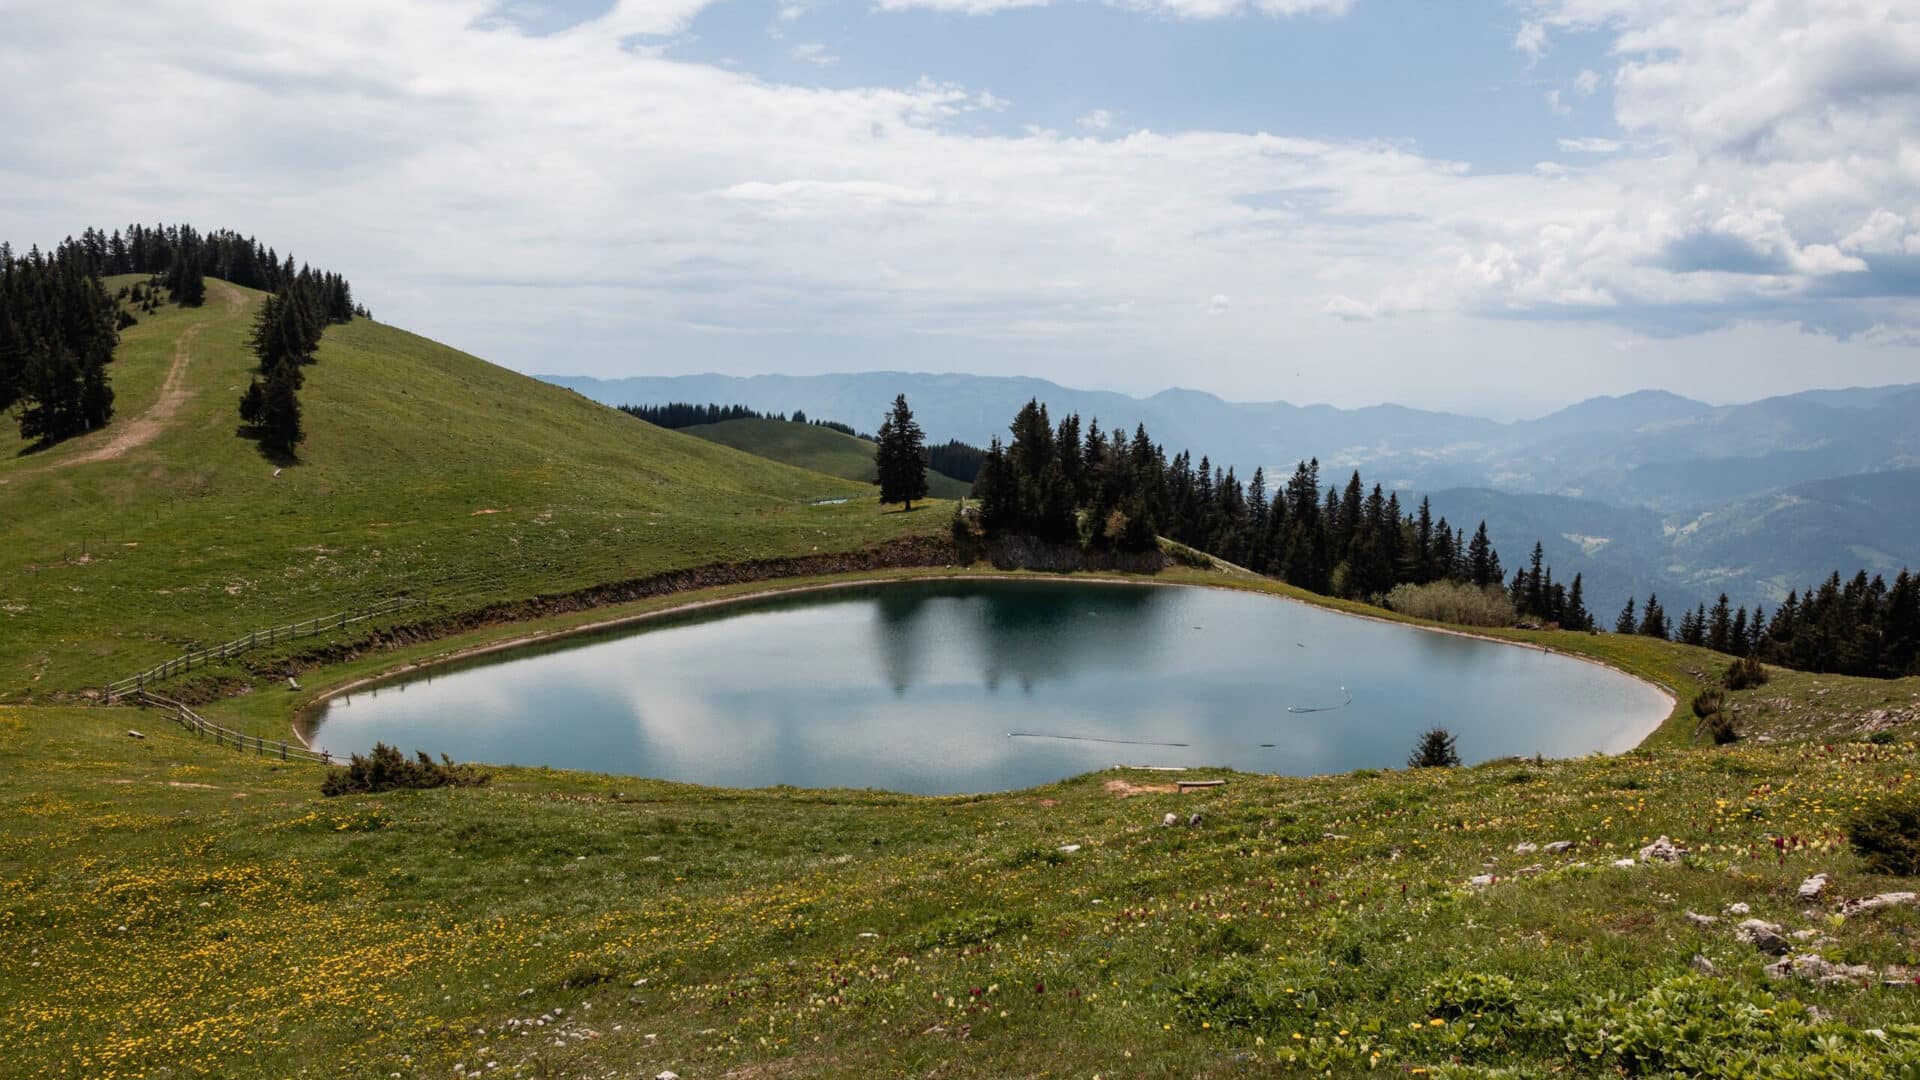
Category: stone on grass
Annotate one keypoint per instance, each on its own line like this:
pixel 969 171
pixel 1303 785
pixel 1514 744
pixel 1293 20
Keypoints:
pixel 1559 846
pixel 1698 919
pixel 1480 881
pixel 1193 821
pixel 1068 849
pixel 1762 935
pixel 1738 909
pixel 1813 887
pixel 1525 847
pixel 1170 820
pixel 1662 850
pixel 1874 903
pixel 1701 964
pixel 1625 864
pixel 1817 969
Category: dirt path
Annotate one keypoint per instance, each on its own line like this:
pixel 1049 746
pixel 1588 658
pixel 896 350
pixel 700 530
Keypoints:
pixel 142 429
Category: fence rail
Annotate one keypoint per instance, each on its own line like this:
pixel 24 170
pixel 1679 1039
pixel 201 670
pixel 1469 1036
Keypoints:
pixel 273 635
pixel 225 736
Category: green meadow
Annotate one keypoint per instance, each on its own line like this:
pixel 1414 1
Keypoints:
pixel 175 908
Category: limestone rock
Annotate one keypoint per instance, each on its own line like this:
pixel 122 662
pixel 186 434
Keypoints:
pixel 1813 887
pixel 1662 850
pixel 1698 919
pixel 1762 935
pixel 1559 846
pixel 1874 903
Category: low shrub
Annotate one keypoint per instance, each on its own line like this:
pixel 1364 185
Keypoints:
pixel 1724 728
pixel 1885 833
pixel 1708 702
pixel 1453 602
pixel 1435 750
pixel 387 769
pixel 1744 672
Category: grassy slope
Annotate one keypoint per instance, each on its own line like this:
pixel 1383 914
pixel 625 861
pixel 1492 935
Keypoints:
pixel 817 448
pixel 169 903
pixel 424 469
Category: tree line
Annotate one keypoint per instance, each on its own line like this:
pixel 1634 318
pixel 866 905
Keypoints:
pixel 59 325
pixel 684 414
pixel 58 329
pixel 1861 626
pixel 1067 484
pixel 286 336
pixel 186 257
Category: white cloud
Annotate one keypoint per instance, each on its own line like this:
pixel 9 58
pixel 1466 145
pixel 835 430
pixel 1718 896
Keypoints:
pixel 813 52
pixel 1555 105
pixel 1591 145
pixel 587 198
pixel 1219 304
pixel 1180 9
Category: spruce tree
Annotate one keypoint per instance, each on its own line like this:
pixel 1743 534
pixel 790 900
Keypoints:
pixel 1627 623
pixel 280 427
pixel 1436 750
pixel 1576 617
pixel 900 456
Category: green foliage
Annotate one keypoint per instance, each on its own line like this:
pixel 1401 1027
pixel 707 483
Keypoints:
pixel 1472 994
pixel 387 769
pixel 900 457
pixel 974 929
pixel 1453 602
pixel 1745 672
pixel 1885 833
pixel 1708 703
pixel 1435 750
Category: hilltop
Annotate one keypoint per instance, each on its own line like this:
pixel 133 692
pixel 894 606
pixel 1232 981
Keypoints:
pixel 809 446
pixel 426 471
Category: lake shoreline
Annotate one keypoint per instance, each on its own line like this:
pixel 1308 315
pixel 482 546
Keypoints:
pixel 300 722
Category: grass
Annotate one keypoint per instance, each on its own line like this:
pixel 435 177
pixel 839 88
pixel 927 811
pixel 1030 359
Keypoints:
pixel 425 471
pixel 174 908
pixel 172 905
pixel 809 446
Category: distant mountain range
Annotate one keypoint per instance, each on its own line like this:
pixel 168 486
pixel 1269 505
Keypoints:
pixel 1644 491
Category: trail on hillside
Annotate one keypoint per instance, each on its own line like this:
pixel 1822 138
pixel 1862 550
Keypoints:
pixel 143 429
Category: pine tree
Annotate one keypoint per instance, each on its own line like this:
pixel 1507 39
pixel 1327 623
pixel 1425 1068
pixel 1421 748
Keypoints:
pixel 1436 749
pixel 1653 619
pixel 1719 628
pixel 280 426
pixel 1482 561
pixel 1627 623
pixel 1576 617
pixel 900 456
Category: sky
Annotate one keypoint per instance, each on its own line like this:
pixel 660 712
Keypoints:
pixel 1488 206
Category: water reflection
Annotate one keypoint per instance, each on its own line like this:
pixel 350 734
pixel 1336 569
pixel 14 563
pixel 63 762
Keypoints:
pixel 901 687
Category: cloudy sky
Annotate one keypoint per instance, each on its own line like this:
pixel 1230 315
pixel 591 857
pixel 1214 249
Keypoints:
pixel 1497 206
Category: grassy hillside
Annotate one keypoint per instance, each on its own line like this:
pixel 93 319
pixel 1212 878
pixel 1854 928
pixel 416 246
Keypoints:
pixel 817 448
pixel 425 470
pixel 169 904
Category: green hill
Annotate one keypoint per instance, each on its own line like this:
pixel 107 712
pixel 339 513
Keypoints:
pixel 810 446
pixel 425 470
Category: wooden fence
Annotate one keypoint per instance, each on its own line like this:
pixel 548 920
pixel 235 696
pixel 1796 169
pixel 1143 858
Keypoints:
pixel 273 635
pixel 225 736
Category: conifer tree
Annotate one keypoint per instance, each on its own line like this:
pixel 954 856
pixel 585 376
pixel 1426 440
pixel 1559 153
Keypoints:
pixel 900 456
pixel 1627 623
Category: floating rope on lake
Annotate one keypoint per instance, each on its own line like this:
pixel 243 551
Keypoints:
pixel 1323 708
pixel 1091 738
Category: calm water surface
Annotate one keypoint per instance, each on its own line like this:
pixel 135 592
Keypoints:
pixel 986 686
